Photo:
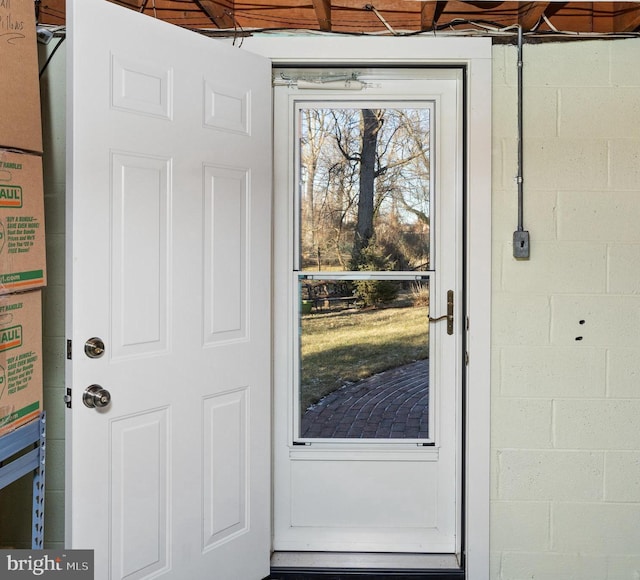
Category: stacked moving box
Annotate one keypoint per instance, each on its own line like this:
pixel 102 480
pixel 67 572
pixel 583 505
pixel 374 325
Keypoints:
pixel 22 235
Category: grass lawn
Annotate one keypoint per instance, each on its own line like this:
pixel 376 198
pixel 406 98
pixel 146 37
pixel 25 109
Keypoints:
pixel 351 344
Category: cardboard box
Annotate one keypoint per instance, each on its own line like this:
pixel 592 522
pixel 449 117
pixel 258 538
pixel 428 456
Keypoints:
pixel 20 359
pixel 22 235
pixel 20 124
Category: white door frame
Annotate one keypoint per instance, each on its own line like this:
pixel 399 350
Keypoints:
pixel 475 55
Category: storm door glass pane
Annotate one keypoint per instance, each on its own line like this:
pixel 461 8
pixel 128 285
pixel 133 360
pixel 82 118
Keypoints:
pixel 365 187
pixel 364 369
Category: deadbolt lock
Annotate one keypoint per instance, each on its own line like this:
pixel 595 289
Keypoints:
pixel 96 397
pixel 94 347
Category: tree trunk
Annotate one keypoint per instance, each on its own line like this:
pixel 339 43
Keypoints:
pixel 371 123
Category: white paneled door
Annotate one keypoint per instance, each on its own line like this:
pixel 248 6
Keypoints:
pixel 168 264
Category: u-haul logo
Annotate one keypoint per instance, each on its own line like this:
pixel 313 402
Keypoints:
pixel 10 337
pixel 10 196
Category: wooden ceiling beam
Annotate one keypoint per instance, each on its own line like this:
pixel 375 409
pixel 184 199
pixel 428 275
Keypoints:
pixel 323 13
pixel 627 16
pixel 219 12
pixel 429 13
pixel 530 12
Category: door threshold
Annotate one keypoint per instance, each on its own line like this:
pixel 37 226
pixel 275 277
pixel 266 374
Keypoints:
pixel 338 565
pixel 383 561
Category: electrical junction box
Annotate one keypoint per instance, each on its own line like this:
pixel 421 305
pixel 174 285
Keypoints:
pixel 521 244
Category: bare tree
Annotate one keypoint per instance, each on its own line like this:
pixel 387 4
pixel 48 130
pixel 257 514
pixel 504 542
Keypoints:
pixel 367 179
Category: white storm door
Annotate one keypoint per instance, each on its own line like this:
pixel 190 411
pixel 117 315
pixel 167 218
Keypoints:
pixel 168 263
pixel 361 463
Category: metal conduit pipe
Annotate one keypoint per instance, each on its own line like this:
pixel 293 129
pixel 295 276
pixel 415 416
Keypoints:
pixel 520 236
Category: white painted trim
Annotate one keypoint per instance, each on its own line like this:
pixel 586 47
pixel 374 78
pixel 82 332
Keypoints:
pixel 407 50
pixel 479 312
pixel 475 54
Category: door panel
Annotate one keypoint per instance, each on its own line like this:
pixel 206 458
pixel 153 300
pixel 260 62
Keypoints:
pixel 225 481
pixel 141 193
pixel 140 494
pixel 340 503
pixel 168 263
pixel 141 86
pixel 226 245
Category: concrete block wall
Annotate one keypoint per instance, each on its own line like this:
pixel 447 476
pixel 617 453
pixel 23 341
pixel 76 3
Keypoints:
pixel 566 324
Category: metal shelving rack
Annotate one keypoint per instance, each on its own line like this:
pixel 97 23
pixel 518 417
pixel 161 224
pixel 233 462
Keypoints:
pixel 32 435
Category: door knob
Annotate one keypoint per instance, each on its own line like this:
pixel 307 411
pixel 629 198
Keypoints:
pixel 95 396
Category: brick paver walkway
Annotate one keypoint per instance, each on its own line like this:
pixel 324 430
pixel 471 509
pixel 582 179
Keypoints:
pixel 392 404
